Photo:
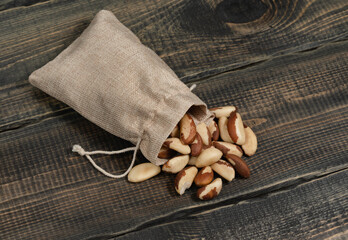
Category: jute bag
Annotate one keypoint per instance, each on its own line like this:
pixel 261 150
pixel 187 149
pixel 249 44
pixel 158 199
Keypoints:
pixel 112 79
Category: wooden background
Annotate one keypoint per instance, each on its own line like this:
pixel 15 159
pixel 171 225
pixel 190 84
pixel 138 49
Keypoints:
pixel 282 62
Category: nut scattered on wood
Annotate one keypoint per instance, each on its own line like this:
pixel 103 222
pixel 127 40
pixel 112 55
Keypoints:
pixel 187 129
pixel 236 129
pixel 196 146
pixel 202 147
pixel 228 148
pixel 224 169
pixel 205 134
pixel 214 130
pixel 250 145
pixel 143 172
pixel 204 176
pixel 239 165
pixel 225 136
pixel 184 179
pixel 176 164
pixel 211 190
pixel 176 144
pixel 208 157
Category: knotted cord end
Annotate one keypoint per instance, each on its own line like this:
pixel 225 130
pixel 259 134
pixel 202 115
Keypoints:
pixel 79 150
pixel 82 152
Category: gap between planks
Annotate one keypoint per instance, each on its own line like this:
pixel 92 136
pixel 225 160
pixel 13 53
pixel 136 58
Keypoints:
pixel 258 195
pixel 23 5
pixel 296 51
pixel 41 117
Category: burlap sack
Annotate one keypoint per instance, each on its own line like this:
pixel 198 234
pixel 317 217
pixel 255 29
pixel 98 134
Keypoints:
pixel 112 79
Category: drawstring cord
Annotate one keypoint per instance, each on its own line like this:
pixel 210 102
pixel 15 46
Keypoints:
pixel 193 87
pixel 82 152
pixel 78 149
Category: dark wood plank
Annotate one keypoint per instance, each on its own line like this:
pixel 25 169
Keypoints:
pixel 311 210
pixel 10 4
pixel 195 38
pixel 297 105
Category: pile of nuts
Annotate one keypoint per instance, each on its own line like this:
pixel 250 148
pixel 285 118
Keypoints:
pixel 199 147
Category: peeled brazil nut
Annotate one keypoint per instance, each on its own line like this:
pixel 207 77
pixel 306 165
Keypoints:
pixel 239 165
pixel 210 191
pixel 184 179
pixel 236 129
pixel 143 172
pixel 225 136
pixel 223 111
pixel 192 161
pixel 204 176
pixel 224 169
pixel 196 146
pixel 214 130
pixel 187 129
pixel 203 130
pixel 250 145
pixel 175 133
pixel 208 157
pixel 166 153
pixel 176 144
pixel 176 164
pixel 228 148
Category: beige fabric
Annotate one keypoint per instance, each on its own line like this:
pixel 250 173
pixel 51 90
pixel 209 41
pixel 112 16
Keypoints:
pixel 112 79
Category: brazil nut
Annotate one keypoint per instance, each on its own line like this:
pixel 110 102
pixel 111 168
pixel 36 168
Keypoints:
pixel 176 144
pixel 223 111
pixel 214 130
pixel 205 134
pixel 176 164
pixel 236 129
pixel 184 179
pixel 239 165
pixel 208 157
pixel 224 169
pixel 225 136
pixel 187 129
pixel 142 172
pixel 250 144
pixel 228 148
pixel 204 176
pixel 211 190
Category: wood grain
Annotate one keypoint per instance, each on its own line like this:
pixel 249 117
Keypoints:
pixel 286 214
pixel 195 38
pixel 283 63
pixel 195 44
pixel 297 105
pixel 10 4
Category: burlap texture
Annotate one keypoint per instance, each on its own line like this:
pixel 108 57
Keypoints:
pixel 112 79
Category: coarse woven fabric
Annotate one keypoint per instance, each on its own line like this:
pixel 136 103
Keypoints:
pixel 112 79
